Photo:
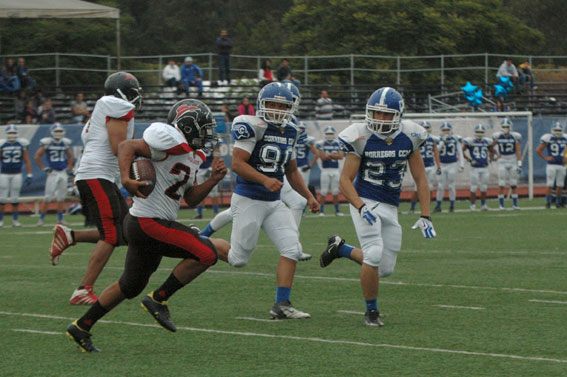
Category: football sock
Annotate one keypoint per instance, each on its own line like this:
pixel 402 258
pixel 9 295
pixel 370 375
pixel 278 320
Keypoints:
pixel 216 209
pixel 322 209
pixel 371 304
pixel 515 200
pixel 1 216
pixel 42 216
pixel 548 199
pixel 337 208
pixel 438 205
pixel 169 287
pixel 452 203
pixel 96 312
pixel 59 216
pixel 412 206
pixel 558 200
pixel 501 200
pixel 282 294
pixel 208 231
pixel 200 210
pixel 345 250
pixel 73 235
pixel 16 215
pixel 482 202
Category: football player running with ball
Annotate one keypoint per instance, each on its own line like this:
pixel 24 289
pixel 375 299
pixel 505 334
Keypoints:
pixel 150 227
pixel 378 151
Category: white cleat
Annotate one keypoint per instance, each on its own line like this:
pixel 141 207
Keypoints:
pixel 321 214
pixel 16 224
pixel 502 208
pixel 1 224
pixel 473 207
pixel 515 208
pixel 484 208
pixel 40 222
pixel 284 310
pixel 339 214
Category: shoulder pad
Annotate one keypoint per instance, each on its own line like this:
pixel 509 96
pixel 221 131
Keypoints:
pixel 165 138
pixel 488 140
pixel 46 141
pixel 67 141
pixel 115 107
pixel 353 138
pixel 24 142
pixel 467 141
pixel 415 132
pixel 248 126
pixel 517 136
pixel 546 138
pixel 2 141
pixel 496 135
pixel 309 140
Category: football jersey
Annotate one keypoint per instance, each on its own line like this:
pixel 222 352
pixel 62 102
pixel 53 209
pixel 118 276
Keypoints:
pixel 56 152
pixel 329 147
pixel 426 150
pixel 478 149
pixel 556 147
pixel 97 160
pixel 270 150
pixel 303 149
pixel 449 149
pixel 13 155
pixel 507 144
pixel 175 164
pixel 383 158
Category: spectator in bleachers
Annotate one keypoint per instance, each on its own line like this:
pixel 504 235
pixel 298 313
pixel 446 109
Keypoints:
pixel 20 105
pixel 38 98
pixel 265 74
pixel 46 112
pixel 8 83
pixel 324 107
pixel 192 75
pixel 526 75
pixel 80 109
pixel 228 116
pixel 224 45
pixel 245 107
pixel 171 74
pixel 23 74
pixel 30 112
pixel 284 73
pixel 11 74
pixel 507 69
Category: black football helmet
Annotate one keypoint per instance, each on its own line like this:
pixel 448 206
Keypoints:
pixel 195 120
pixel 126 86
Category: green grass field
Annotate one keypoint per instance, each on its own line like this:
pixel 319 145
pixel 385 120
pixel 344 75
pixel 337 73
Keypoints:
pixel 488 297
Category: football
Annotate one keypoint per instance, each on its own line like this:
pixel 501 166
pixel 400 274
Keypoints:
pixel 143 170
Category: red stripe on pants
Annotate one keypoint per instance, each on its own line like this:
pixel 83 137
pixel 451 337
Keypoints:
pixel 105 211
pixel 179 238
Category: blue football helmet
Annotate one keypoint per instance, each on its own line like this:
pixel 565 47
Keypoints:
pixel 11 133
pixel 329 133
pixel 446 128
pixel 479 131
pixel 557 129
pixel 506 126
pixel 425 124
pixel 275 92
pixel 57 131
pixel 384 100
pixel 296 96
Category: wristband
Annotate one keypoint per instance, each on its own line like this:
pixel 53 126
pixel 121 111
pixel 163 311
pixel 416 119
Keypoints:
pixel 426 217
pixel 361 207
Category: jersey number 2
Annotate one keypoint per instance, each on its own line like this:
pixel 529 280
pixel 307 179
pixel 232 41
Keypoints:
pixel 178 169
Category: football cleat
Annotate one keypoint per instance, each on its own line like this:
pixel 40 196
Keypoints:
pixel 473 207
pixel 516 208
pixel 197 217
pixel 84 296
pixel 40 222
pixel 304 257
pixel 452 209
pixel 284 310
pixel 332 251
pixel 1 223
pixel 502 208
pixel 81 337
pixel 484 207
pixel 437 210
pixel 372 318
pixel 321 214
pixel 159 311
pixel 547 205
pixel 339 214
pixel 16 224
pixel 62 239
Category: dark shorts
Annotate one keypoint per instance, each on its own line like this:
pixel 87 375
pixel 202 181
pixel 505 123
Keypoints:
pixel 106 207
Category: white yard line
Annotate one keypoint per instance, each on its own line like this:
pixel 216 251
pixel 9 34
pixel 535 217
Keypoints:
pixel 549 301
pixel 350 312
pixel 310 339
pixel 38 332
pixel 460 307
pixel 258 319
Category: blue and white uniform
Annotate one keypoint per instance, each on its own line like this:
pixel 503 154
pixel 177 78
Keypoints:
pixel 205 169
pixel 252 205
pixel 56 158
pixel 303 152
pixel 383 160
pixel 555 170
pixel 507 160
pixel 450 152
pixel 11 169
pixel 427 154
pixel 330 173
pixel 478 149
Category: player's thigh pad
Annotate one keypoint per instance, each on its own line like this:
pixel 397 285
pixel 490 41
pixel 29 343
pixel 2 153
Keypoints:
pixel 325 181
pixel 281 229
pixel 292 199
pixel 451 174
pixel 305 176
pixel 4 183
pixel 15 186
pixel 430 174
pixel 247 218
pixel 335 177
pixel 561 176
pixel 551 174
pixel 369 236
pixel 392 239
pixel 50 186
pixel 61 191
pixel 483 179
pixel 475 178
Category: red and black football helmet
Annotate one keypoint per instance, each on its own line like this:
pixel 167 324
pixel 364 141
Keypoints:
pixel 195 120
pixel 126 86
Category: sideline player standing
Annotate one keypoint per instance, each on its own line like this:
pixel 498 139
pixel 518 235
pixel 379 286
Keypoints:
pixel 13 153
pixel 330 153
pixel 450 151
pixel 481 152
pixel 555 143
pixel 212 152
pixel 150 227
pixel 509 161
pixel 430 156
pixel 112 122
pixel 377 154
pixel 264 150
pixel 59 161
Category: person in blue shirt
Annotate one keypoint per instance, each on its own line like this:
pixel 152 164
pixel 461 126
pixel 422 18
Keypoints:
pixel 378 151
pixel 13 153
pixel 192 75
pixel 481 153
pixel 555 143
pixel 59 161
pixel 330 153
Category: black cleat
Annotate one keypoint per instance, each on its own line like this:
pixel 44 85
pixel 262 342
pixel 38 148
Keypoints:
pixel 372 319
pixel 81 337
pixel 197 217
pixel 547 205
pixel 452 209
pixel 332 251
pixel 437 209
pixel 159 311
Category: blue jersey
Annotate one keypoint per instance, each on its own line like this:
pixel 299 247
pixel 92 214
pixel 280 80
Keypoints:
pixel 506 142
pixel 382 159
pixel 56 152
pixel 270 150
pixel 12 155
pixel 329 147
pixel 555 147
pixel 478 149
pixel 303 149
pixel 449 147
pixel 426 150
pixel 209 151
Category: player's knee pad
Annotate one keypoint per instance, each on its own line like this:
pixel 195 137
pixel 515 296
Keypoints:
pixel 372 255
pixel 483 187
pixel 238 259
pixel 502 182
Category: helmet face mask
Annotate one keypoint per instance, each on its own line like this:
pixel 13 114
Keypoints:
pixel 57 131
pixel 384 111
pixel 506 126
pixel 195 121
pixel 126 86
pixel 11 133
pixel 557 130
pixel 479 131
pixel 275 104
pixel 446 129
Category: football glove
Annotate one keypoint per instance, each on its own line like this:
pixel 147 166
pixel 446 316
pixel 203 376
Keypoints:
pixel 426 226
pixel 28 180
pixel 47 169
pixel 519 168
pixel 305 168
pixel 367 215
pixel 438 171
pixel 461 168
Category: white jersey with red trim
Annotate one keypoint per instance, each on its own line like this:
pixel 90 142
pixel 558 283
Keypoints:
pixel 176 165
pixel 97 160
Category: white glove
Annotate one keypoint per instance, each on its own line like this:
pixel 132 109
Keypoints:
pixel 519 168
pixel 426 227
pixel 438 171
pixel 461 168
pixel 367 215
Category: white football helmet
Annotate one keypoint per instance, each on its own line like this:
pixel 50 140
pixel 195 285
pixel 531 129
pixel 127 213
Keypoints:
pixel 425 124
pixel 556 129
pixel 329 133
pixel 446 128
pixel 57 131
pixel 11 133
pixel 506 126
pixel 479 131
